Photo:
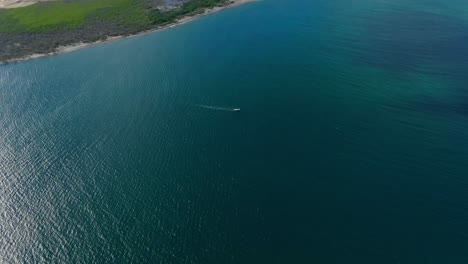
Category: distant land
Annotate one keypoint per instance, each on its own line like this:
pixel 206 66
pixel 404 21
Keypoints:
pixel 30 29
pixel 18 3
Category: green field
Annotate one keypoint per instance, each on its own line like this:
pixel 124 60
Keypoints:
pixel 61 14
pixel 66 14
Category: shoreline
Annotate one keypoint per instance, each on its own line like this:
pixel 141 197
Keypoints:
pixel 81 45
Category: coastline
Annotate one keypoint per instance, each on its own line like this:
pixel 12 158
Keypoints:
pixel 81 45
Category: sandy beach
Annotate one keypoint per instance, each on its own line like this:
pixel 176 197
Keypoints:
pixel 6 4
pixel 70 48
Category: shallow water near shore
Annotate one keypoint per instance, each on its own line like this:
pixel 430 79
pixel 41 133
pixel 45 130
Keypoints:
pixel 351 145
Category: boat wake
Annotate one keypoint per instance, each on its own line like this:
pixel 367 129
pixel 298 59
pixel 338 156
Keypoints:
pixel 219 108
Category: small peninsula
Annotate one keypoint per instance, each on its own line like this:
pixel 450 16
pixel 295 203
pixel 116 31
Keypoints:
pixel 30 28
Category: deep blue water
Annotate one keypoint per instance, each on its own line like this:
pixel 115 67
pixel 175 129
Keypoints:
pixel 351 145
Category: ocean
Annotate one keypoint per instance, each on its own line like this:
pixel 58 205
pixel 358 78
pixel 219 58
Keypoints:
pixel 350 146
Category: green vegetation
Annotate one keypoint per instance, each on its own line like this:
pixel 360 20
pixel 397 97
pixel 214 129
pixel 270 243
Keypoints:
pixel 57 15
pixel 66 14
pixel 44 26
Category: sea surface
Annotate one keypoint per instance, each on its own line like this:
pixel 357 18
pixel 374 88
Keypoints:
pixel 351 145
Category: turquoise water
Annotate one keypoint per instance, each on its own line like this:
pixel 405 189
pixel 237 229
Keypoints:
pixel 351 145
